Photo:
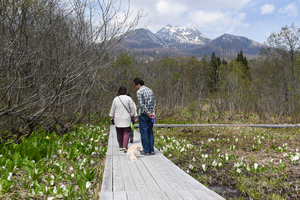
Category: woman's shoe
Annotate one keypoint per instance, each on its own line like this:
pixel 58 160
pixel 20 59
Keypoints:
pixel 125 150
pixel 121 149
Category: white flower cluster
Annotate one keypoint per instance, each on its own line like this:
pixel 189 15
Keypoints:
pixel 211 140
pixel 294 157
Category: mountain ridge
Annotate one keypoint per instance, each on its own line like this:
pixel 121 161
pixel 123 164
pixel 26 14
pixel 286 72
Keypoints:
pixel 175 34
pixel 189 42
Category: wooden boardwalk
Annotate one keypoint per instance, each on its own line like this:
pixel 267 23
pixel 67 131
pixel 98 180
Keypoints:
pixel 150 177
pixel 223 125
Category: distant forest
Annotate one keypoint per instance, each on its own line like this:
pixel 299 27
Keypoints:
pixel 58 69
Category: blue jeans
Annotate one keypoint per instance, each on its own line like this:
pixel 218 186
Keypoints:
pixel 146 129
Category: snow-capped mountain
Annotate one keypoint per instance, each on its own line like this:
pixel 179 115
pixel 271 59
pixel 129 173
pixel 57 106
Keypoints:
pixel 175 34
pixel 189 42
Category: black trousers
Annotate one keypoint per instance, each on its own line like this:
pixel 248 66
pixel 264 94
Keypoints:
pixel 131 134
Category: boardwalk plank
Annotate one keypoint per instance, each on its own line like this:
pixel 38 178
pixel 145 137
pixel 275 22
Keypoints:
pixel 120 195
pixel 206 194
pixel 150 182
pixel 173 195
pixel 146 195
pixel 118 183
pixel 107 176
pixel 127 176
pixel 160 195
pixel 149 178
pixel 187 195
pixel 183 180
pixel 167 173
pixel 192 185
pixel 161 182
pixel 222 125
pixel 137 177
pixel 177 174
pixel 133 195
pixel 106 195
pixel 181 175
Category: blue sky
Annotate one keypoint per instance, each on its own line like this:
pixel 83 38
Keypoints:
pixel 253 19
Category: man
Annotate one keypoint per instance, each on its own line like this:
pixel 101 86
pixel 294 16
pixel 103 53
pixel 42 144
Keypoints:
pixel 147 106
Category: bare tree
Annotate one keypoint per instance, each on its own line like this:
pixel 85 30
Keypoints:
pixel 51 57
pixel 280 71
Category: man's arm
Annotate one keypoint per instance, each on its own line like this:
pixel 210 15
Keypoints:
pixel 141 97
pixel 154 106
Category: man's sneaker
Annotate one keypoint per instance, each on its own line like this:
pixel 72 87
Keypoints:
pixel 125 150
pixel 152 153
pixel 145 154
pixel 131 140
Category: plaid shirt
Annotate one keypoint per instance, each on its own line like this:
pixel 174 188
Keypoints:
pixel 146 100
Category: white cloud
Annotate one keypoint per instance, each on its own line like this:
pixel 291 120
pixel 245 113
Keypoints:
pixel 232 4
pixel 217 20
pixel 167 8
pixel 192 4
pixel 178 12
pixel 290 10
pixel 267 8
pixel 214 4
pixel 162 7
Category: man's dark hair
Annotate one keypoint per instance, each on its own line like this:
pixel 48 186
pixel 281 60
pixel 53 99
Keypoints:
pixel 138 81
pixel 122 90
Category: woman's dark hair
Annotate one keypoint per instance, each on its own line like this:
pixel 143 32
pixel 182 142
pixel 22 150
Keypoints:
pixel 122 90
pixel 138 81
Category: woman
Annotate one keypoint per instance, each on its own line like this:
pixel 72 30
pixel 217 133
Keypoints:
pixel 121 109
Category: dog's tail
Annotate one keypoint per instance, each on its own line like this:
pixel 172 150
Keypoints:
pixel 132 158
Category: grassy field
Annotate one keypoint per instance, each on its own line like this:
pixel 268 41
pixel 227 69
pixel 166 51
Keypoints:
pixel 237 162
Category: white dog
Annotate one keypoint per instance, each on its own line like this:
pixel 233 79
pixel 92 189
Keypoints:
pixel 132 152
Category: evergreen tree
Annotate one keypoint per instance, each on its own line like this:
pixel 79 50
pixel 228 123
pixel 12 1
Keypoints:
pixel 245 67
pixel 215 63
pixel 224 62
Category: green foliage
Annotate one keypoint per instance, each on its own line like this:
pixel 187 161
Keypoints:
pixel 42 163
pixel 245 67
pixel 282 166
pixel 215 63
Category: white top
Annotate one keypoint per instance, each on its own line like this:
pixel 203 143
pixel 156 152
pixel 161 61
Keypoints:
pixel 119 112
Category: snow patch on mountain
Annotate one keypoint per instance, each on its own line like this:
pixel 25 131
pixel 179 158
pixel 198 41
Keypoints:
pixel 155 39
pixel 175 34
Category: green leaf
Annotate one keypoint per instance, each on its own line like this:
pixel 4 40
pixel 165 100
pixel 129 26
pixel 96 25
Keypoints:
pixel 72 152
pixel 29 169
pixel 17 158
pixel 32 152
pixel 39 163
pixel 5 185
pixel 57 169
pixel 29 166
pixel 9 165
pixel 82 175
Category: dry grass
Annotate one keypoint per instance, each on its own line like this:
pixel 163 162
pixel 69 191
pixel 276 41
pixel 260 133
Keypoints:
pixel 276 176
